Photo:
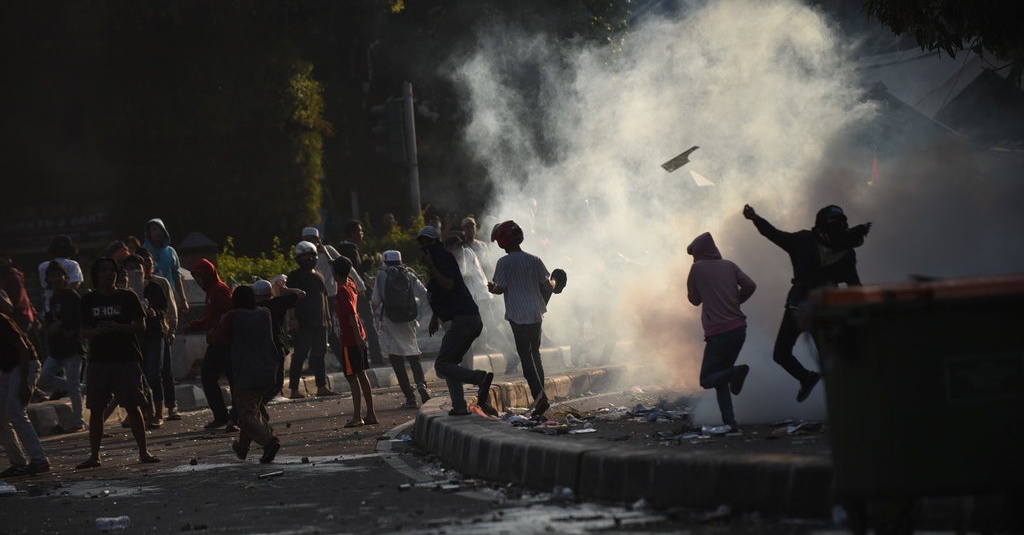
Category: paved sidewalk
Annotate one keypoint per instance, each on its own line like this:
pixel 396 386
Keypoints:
pixel 621 461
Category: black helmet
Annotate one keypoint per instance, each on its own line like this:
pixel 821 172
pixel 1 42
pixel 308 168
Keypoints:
pixel 829 216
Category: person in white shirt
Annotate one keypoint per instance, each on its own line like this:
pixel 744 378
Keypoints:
pixel 398 338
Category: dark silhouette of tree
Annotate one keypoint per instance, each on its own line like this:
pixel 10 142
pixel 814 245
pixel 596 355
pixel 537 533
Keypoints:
pixel 987 27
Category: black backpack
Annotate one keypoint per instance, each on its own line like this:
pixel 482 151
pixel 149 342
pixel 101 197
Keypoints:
pixel 399 299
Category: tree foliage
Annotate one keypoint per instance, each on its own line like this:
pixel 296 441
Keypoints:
pixel 243 118
pixel 211 115
pixel 982 26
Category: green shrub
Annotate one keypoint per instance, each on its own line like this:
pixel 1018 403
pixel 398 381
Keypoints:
pixel 238 269
pixel 402 240
pixel 235 268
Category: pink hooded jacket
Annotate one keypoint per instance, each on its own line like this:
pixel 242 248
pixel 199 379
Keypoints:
pixel 718 284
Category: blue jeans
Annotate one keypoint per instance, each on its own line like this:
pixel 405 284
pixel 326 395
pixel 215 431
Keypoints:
pixel 459 334
pixel 70 383
pixel 16 430
pixel 527 337
pixel 720 354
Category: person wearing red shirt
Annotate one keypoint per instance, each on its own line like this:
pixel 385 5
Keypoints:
pixel 353 359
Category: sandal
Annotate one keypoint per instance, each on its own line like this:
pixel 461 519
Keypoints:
pixel 355 422
pixel 149 459
pixel 88 463
pixel 370 421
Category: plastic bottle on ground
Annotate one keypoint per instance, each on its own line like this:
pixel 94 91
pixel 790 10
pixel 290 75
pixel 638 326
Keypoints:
pixel 113 523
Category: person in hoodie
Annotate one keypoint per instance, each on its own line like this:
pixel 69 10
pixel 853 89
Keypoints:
pixel 165 260
pixel 217 360
pixel 822 256
pixel 157 241
pixel 247 330
pixel 719 286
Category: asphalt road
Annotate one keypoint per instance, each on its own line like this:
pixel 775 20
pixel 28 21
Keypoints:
pixel 327 479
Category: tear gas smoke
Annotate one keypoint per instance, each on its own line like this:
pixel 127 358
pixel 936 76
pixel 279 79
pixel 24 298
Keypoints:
pixel 573 136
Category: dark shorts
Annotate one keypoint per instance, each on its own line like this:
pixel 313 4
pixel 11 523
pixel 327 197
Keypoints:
pixel 353 359
pixel 123 380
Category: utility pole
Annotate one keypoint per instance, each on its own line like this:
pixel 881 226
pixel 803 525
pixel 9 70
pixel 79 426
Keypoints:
pixel 411 159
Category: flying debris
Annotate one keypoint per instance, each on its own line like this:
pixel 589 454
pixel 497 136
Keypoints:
pixel 679 161
pixel 700 179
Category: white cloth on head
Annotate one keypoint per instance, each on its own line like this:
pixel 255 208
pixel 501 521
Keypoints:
pixel 323 266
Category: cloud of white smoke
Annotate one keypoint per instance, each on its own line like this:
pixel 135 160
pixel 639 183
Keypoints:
pixel 574 134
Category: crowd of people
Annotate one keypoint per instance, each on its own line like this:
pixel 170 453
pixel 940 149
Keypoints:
pixel 120 332
pixel 116 338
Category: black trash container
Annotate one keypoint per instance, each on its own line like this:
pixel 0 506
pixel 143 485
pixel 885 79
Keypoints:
pixel 925 386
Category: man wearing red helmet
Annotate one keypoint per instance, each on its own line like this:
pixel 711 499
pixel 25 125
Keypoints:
pixel 526 285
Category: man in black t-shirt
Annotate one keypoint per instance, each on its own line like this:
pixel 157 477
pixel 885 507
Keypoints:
pixel 313 317
pixel 452 303
pixel 112 319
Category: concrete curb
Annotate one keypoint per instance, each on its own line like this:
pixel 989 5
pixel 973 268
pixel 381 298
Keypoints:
pixel 489 448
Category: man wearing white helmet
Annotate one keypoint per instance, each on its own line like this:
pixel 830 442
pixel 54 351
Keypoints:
pixel 313 318
pixel 325 256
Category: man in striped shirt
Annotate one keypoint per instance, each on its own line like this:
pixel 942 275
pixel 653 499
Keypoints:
pixel 526 285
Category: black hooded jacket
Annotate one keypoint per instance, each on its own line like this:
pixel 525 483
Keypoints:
pixel 814 264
